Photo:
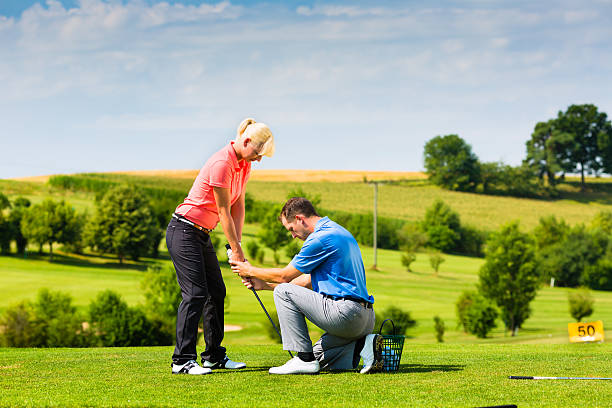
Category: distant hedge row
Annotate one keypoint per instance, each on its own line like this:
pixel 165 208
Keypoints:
pixel 99 186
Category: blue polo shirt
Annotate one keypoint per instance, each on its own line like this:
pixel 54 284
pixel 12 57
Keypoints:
pixel 332 258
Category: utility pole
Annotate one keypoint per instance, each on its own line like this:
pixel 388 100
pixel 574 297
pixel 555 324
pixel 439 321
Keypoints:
pixel 375 267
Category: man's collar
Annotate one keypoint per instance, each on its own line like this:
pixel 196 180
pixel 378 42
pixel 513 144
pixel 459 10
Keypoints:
pixel 320 223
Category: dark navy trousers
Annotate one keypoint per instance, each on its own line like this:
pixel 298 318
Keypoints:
pixel 202 289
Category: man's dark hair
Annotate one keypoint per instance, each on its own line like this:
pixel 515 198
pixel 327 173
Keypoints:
pixel 297 205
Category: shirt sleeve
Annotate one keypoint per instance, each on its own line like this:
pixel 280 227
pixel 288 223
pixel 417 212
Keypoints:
pixel 220 174
pixel 312 254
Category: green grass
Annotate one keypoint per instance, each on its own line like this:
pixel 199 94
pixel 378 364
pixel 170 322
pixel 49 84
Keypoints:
pixel 421 292
pixel 409 202
pixel 430 375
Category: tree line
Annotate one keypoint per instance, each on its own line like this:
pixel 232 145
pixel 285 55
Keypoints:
pixel 126 223
pixel 578 140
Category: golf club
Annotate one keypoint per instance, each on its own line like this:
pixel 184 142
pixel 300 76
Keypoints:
pixel 522 377
pixel 228 247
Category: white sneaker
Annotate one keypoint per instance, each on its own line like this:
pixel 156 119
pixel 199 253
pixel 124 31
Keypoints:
pixel 297 366
pixel 190 367
pixel 223 363
pixel 372 354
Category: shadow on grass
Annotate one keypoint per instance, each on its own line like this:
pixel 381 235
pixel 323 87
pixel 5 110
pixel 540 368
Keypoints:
pixel 427 368
pixel 87 260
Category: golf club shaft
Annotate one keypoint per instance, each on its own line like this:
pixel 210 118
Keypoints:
pixel 523 377
pixel 227 246
pixel 269 318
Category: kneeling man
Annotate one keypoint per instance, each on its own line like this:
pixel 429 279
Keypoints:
pixel 330 264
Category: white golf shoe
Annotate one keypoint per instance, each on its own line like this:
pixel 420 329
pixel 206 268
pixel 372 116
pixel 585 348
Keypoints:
pixel 190 367
pixel 297 366
pixel 223 363
pixel 372 354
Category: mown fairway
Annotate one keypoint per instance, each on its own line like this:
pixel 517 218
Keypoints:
pixel 463 371
pixel 430 376
pixel 421 292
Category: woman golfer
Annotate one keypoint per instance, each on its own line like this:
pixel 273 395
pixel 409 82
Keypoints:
pixel 217 195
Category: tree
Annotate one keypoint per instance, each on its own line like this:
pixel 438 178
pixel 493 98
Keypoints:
pixel 272 233
pixel 161 210
pixel 580 304
pixel 481 316
pixel 5 227
pixel 123 224
pixel 587 144
pixel 439 328
pixel 412 239
pixel 442 226
pixel 450 163
pixel 567 260
pixel 435 260
pixel 542 151
pixel 20 207
pixel 50 222
pixel 508 276
pixel 550 231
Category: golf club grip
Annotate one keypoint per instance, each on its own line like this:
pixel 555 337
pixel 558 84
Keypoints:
pixel 520 377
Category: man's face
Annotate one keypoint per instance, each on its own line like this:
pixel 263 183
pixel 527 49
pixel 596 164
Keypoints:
pixel 297 227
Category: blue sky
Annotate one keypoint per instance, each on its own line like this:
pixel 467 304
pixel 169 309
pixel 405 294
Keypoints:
pixel 93 85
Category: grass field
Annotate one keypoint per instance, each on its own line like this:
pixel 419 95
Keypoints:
pixel 463 371
pixel 407 200
pixel 441 375
pixel 421 292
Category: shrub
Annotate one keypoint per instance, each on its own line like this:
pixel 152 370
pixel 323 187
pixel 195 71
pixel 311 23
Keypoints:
pixel 116 324
pixel 472 241
pixel 407 259
pixel 162 296
pixel 252 249
pixel 580 304
pixel 567 260
pixel 442 226
pixel 16 326
pixel 439 327
pixel 481 315
pixel 401 320
pixel 411 237
pixel 56 323
pixel 599 275
pixel 462 306
pixel 435 260
pixel 50 321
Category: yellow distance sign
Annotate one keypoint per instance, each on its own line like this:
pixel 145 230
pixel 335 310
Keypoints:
pixel 586 332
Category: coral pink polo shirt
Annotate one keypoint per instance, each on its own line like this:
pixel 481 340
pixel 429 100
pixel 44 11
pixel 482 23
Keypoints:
pixel 221 170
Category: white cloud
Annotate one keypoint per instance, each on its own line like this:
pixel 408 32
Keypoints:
pixel 342 11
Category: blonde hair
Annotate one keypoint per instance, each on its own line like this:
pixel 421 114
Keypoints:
pixel 259 133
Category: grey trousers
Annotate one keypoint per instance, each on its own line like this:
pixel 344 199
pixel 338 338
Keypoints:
pixel 344 322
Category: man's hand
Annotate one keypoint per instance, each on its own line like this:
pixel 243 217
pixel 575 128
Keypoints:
pixel 241 268
pixel 254 283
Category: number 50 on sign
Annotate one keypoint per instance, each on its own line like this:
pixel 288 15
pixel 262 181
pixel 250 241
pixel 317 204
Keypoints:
pixel 585 332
